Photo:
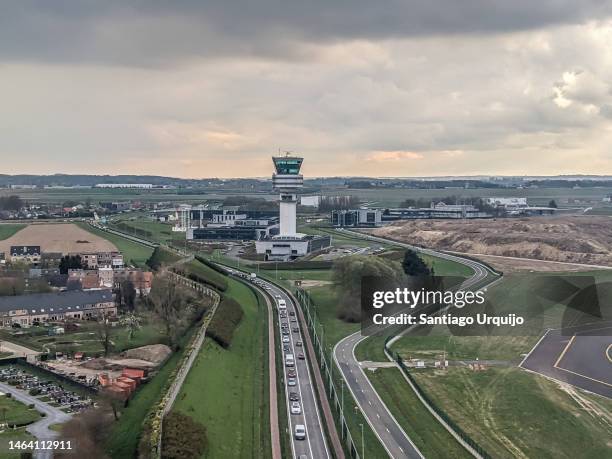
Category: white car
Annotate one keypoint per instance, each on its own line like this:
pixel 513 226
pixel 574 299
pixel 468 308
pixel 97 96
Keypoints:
pixel 291 382
pixel 286 339
pixel 296 408
pixel 300 432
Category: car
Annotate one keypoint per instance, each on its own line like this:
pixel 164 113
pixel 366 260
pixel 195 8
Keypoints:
pixel 286 347
pixel 291 381
pixel 278 297
pixel 301 356
pixel 298 343
pixel 300 432
pixel 285 332
pixel 294 397
pixel 291 373
pixel 285 339
pixel 293 319
pixel 291 313
pixel 303 456
pixel 296 408
pixel 296 330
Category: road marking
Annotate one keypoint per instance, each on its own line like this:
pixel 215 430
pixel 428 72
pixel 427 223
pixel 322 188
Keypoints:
pixel 565 350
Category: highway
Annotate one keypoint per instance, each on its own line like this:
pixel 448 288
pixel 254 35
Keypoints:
pixel 314 446
pixel 393 438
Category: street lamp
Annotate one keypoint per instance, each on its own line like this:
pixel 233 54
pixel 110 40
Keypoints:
pixel 362 443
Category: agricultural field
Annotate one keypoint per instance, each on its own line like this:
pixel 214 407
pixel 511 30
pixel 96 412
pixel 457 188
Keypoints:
pixel 144 227
pixel 59 238
pixel 8 229
pixel 512 413
pixel 226 389
pixel 133 253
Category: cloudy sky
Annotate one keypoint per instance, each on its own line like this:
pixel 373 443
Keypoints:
pixel 212 88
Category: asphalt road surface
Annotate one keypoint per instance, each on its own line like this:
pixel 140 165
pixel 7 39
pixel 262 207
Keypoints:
pixel 314 446
pixel 395 441
pixel 40 429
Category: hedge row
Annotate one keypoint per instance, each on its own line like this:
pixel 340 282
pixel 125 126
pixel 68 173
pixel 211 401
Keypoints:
pixel 203 273
pixel 228 316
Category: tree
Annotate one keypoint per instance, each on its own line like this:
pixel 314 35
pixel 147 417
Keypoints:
pixel 413 265
pixel 127 292
pixel 70 262
pixel 170 303
pixel 347 273
pixel 132 322
pixel 104 331
pixel 552 204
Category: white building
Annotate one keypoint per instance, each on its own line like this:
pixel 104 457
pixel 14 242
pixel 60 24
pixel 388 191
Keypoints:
pixel 141 186
pixel 289 244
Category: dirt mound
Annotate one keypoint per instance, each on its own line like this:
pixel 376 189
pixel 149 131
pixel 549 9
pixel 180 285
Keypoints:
pixel 155 353
pixel 100 364
pixel 571 239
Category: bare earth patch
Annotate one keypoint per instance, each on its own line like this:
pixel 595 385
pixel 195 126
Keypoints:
pixel 585 240
pixel 58 237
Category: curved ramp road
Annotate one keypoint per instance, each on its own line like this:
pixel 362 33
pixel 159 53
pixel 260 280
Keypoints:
pixel 395 441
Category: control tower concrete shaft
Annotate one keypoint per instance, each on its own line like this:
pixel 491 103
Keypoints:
pixel 288 181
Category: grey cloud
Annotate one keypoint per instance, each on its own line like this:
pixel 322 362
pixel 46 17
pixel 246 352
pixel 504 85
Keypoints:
pixel 157 32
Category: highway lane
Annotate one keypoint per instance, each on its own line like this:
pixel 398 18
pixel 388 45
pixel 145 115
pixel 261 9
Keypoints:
pixel 393 438
pixel 315 445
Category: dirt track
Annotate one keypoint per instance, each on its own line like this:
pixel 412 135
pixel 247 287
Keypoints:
pixel 58 237
pixel 576 239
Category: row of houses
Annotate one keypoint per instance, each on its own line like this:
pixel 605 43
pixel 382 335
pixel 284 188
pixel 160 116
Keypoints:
pixel 27 310
pixel 106 277
pixel 33 255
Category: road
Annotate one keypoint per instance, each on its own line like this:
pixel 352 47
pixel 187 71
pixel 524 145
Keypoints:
pixel 315 445
pixel 40 429
pixel 393 438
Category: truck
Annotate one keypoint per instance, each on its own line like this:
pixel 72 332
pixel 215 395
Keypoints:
pixel 289 360
pixel 282 304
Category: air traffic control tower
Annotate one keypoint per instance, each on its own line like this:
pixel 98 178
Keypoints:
pixel 289 244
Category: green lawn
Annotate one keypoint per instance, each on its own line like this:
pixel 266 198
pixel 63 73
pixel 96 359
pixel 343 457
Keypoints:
pixel 86 339
pixel 13 435
pixel 226 389
pixel 125 433
pixel 430 437
pixel 133 253
pixel 512 413
pixel 8 229
pixel 148 229
pixel 14 412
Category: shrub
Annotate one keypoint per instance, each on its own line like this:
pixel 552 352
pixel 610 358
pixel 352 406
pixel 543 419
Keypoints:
pixel 34 392
pixel 182 437
pixel 226 319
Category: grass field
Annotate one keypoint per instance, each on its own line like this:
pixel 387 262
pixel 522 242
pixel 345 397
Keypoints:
pixel 20 434
pixel 125 433
pixel 424 430
pixel 226 390
pixel 8 229
pixel 14 412
pixel 133 253
pixel 151 230
pixel 512 413
pixel 86 339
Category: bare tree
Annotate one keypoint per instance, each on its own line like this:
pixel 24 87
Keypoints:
pixel 104 329
pixel 169 301
pixel 132 322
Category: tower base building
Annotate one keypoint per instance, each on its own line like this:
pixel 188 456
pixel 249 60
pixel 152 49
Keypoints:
pixel 289 244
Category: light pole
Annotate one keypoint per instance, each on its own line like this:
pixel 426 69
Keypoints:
pixel 362 443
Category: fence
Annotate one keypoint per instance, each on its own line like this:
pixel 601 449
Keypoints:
pixel 178 377
pixel 327 370
pixel 435 408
